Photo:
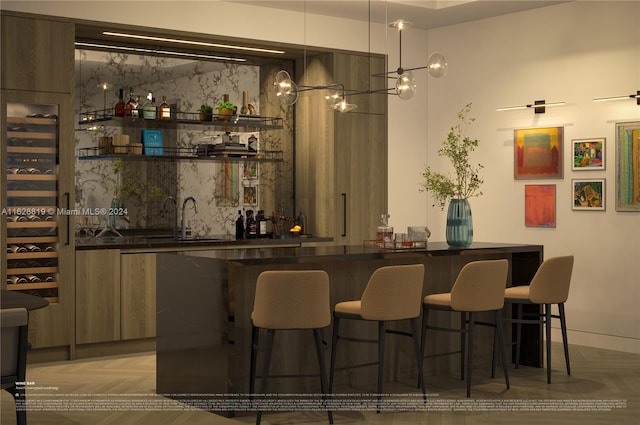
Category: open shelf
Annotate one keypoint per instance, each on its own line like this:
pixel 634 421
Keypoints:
pixel 172 154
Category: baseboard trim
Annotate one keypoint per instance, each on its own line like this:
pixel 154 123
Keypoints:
pixel 608 342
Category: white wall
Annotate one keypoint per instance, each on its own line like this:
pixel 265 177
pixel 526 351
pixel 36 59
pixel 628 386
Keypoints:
pixel 571 52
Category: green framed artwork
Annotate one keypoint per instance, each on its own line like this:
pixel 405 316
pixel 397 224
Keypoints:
pixel 589 194
pixel 538 153
pixel 628 166
pixel 588 154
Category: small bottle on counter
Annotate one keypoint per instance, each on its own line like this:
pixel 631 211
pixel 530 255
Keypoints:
pixel 120 106
pixel 302 222
pixel 240 226
pixel 251 228
pixel 384 232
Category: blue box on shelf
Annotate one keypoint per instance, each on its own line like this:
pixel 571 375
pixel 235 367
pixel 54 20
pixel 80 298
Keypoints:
pixel 152 142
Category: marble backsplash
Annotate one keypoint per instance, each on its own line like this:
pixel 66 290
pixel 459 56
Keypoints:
pixel 220 188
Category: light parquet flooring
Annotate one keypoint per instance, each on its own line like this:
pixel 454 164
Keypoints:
pixel 598 376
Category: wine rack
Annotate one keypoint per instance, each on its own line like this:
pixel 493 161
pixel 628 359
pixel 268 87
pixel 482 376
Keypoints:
pixel 31 209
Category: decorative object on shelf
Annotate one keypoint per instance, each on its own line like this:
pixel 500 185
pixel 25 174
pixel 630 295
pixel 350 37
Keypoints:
pixel 538 153
pixel 588 194
pixel 226 109
pixel 540 205
pixel 458 188
pixel 588 154
pixel 205 113
pixel 635 96
pixel 628 166
pixel 538 106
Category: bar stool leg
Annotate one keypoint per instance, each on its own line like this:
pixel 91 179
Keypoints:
pixel 463 336
pixel 317 334
pixel 265 369
pixel 334 346
pixel 547 320
pixel 423 341
pixel 419 360
pixel 381 335
pixel 500 337
pixel 470 352
pixel 518 335
pixel 563 326
pixel 255 334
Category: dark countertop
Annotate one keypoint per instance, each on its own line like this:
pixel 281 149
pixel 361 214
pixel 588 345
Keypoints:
pixel 158 242
pixel 349 252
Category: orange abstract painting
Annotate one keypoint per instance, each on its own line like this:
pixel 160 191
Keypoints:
pixel 540 205
pixel 538 153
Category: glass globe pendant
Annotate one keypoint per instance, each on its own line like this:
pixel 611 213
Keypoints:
pixel 405 86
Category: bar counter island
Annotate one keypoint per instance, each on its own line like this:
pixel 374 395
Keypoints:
pixel 205 300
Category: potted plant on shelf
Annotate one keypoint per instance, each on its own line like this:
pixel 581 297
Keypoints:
pixel 225 110
pixel 459 187
pixel 205 112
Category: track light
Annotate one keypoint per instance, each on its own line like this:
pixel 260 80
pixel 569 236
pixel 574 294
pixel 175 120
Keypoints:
pixel 538 106
pixel 630 96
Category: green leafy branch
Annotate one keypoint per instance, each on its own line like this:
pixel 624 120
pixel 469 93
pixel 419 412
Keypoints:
pixel 466 182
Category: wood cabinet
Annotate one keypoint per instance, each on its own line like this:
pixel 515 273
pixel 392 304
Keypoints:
pixel 116 296
pixel 38 148
pixel 37 54
pixel 341 159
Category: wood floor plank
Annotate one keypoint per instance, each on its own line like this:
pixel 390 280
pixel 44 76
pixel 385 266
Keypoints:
pixel 598 377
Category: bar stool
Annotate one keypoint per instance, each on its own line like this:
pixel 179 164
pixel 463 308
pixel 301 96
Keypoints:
pixel 289 299
pixel 479 287
pixel 550 285
pixel 392 293
pixel 15 325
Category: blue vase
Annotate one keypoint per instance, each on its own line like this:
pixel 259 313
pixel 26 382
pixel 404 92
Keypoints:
pixel 459 223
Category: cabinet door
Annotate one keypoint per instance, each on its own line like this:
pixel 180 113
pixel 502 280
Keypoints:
pixel 97 296
pixel 361 175
pixel 37 54
pixel 138 295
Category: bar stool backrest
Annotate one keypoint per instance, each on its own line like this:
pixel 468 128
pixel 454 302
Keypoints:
pixel 480 286
pixel 292 299
pixel 393 293
pixel 550 285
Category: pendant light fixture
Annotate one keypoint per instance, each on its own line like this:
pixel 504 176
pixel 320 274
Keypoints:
pixel 405 86
pixel 287 91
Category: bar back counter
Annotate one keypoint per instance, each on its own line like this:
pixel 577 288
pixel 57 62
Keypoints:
pixel 205 299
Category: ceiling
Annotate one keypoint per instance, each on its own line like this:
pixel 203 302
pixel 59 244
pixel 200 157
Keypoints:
pixel 425 14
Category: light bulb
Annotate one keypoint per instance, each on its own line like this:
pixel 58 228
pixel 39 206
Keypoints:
pixel 406 86
pixel 437 65
pixel 333 97
pixel 286 90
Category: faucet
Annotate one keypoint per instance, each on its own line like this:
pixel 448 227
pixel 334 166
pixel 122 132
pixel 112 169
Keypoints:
pixel 184 205
pixel 175 214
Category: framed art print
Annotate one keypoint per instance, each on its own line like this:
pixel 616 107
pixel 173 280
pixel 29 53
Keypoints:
pixel 588 154
pixel 538 153
pixel 250 195
pixel 540 205
pixel 589 194
pixel 628 166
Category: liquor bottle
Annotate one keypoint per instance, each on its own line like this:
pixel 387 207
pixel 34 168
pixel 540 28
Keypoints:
pixel 164 111
pixel 239 226
pixel 302 222
pixel 251 225
pixel 384 232
pixel 261 224
pixel 131 108
pixel 120 106
pixel 149 108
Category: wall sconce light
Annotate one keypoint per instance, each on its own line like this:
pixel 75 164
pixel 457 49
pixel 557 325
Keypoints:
pixel 405 86
pixel 287 91
pixel 538 106
pixel 631 96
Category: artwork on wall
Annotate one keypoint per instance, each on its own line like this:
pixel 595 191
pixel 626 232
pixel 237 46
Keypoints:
pixel 628 166
pixel 250 195
pixel 538 153
pixel 540 205
pixel 588 154
pixel 250 170
pixel 589 194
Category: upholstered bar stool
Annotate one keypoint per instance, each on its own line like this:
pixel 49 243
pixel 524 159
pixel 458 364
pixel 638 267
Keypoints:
pixel 479 287
pixel 550 285
pixel 289 299
pixel 392 293
pixel 14 323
